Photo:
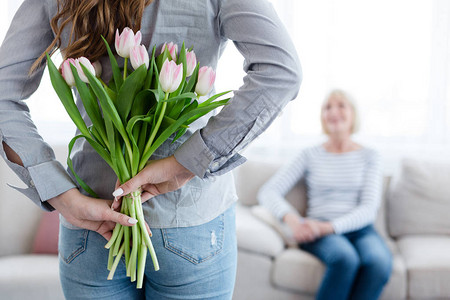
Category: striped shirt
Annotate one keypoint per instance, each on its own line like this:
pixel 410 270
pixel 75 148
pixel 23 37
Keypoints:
pixel 342 188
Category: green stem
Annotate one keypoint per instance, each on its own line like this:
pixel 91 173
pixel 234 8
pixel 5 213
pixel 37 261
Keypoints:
pixel 102 82
pixel 116 262
pixel 142 260
pixel 110 259
pixel 135 233
pixel 114 236
pixel 154 131
pixel 125 64
pixel 126 236
pixel 141 221
pixel 118 241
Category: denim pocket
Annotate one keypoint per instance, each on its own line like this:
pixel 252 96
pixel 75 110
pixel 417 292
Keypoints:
pixel 197 243
pixel 72 242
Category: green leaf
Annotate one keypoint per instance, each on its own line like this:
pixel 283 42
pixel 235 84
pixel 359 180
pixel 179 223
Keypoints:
pixel 107 105
pixel 211 107
pixel 207 102
pixel 182 96
pixel 160 95
pixel 173 128
pixel 167 121
pixel 181 60
pixel 190 107
pixel 118 79
pixel 90 105
pixel 143 102
pixel 80 181
pixel 162 58
pixel 65 95
pixel 179 134
pixel 190 86
pixel 149 78
pixel 131 86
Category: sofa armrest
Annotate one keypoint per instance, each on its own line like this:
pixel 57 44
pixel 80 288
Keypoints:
pixel 282 229
pixel 256 236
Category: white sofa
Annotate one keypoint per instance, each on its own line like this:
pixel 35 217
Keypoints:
pixel 414 220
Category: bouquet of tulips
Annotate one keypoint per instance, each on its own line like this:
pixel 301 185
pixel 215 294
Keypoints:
pixel 131 116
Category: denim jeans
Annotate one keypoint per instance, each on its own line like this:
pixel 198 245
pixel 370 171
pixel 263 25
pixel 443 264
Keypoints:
pixel 196 262
pixel 358 265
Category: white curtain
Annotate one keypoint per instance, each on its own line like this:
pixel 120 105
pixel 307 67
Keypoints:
pixel 391 55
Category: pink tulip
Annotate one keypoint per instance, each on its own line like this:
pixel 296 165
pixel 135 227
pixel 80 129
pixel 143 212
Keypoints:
pixel 191 63
pixel 206 78
pixel 126 41
pixel 139 57
pixel 87 64
pixel 170 76
pixel 66 72
pixel 98 68
pixel 173 49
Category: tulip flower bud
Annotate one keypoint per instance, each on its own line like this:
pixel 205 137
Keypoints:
pixel 191 63
pixel 66 72
pixel 87 64
pixel 205 83
pixel 98 68
pixel 126 41
pixel 173 49
pixel 139 56
pixel 170 76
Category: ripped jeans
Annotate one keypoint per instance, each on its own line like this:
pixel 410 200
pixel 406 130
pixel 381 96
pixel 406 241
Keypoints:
pixel 197 262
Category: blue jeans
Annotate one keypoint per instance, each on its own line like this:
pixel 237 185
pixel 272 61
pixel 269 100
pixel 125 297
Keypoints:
pixel 197 262
pixel 358 264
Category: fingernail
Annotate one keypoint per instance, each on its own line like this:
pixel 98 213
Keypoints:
pixel 132 221
pixel 118 192
pixel 150 234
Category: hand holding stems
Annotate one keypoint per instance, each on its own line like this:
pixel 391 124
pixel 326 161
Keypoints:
pixel 82 211
pixel 158 177
pixel 89 213
pixel 307 230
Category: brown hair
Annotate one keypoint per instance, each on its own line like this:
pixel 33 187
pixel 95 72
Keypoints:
pixel 89 20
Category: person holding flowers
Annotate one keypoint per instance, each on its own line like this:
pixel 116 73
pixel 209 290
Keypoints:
pixel 184 178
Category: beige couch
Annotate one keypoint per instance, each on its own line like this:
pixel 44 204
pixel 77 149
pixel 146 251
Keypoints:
pixel 414 220
pixel 23 275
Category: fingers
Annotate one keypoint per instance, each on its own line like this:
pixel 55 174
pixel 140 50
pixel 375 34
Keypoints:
pixel 110 215
pixel 130 186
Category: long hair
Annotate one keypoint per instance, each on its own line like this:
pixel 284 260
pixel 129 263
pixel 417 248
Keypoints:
pixel 88 21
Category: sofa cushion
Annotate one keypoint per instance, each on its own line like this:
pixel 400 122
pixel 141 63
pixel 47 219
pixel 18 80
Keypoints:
pixel 420 200
pixel 253 174
pixel 256 236
pixel 30 277
pixel 46 239
pixel 427 259
pixel 300 271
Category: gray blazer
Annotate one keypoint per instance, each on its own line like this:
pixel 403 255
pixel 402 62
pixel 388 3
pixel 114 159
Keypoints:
pixel 210 149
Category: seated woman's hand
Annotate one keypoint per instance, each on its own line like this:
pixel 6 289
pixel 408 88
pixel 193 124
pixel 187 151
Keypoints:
pixel 158 177
pixel 322 228
pixel 89 213
pixel 302 230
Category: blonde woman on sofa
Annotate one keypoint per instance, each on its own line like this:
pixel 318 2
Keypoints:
pixel 344 184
